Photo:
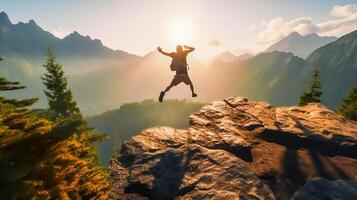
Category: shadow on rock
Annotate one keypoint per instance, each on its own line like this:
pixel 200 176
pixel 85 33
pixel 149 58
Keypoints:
pixel 168 175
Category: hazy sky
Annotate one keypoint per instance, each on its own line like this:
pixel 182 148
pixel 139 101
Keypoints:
pixel 211 26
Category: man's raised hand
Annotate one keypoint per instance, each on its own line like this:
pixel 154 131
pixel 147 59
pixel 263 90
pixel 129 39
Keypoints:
pixel 188 49
pixel 159 48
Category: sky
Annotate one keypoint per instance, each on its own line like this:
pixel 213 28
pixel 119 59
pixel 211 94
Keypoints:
pixel 212 26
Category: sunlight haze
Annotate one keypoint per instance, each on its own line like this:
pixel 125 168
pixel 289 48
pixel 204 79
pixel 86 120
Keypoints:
pixel 210 25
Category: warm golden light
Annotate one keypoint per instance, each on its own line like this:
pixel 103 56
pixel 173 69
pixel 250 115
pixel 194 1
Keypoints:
pixel 181 32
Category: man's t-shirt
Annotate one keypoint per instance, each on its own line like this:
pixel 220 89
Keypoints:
pixel 182 57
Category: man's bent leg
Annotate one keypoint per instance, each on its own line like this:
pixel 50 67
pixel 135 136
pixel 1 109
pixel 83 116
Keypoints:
pixel 192 90
pixel 168 88
pixel 162 94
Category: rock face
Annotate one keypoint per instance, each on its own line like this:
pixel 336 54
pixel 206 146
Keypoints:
pixel 321 189
pixel 237 149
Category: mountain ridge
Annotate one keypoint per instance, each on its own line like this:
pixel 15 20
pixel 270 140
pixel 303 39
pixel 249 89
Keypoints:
pixel 29 40
pixel 337 62
pixel 300 45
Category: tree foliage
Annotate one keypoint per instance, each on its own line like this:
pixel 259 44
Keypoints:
pixel 348 106
pixel 8 85
pixel 314 93
pixel 46 158
pixel 60 98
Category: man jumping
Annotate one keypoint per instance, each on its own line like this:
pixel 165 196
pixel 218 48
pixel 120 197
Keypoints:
pixel 178 64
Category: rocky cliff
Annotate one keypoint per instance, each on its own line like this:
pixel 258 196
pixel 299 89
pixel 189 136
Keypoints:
pixel 241 149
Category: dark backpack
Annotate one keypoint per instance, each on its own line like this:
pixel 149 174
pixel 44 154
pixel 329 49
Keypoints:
pixel 176 64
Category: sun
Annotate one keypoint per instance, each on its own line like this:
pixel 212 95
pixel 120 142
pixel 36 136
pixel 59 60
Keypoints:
pixel 181 32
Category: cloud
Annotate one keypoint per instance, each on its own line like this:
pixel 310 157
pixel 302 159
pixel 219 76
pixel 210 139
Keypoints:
pixel 60 32
pixel 278 28
pixel 343 19
pixel 214 42
pixel 343 11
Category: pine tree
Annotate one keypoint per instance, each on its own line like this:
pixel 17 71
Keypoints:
pixel 6 85
pixel 60 98
pixel 314 94
pixel 348 106
pixel 45 158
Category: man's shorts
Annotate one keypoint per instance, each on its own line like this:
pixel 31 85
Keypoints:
pixel 181 78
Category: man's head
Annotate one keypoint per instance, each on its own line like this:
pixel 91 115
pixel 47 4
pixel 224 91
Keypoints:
pixel 178 48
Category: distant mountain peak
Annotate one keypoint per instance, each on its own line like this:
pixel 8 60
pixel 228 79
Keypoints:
pixel 227 53
pixel 32 22
pixel 298 35
pixel 3 14
pixel 225 56
pixel 75 33
pixel 76 36
pixel 313 34
pixel 244 56
pixel 151 54
pixel 28 39
pixel 300 45
pixel 294 34
pixel 4 19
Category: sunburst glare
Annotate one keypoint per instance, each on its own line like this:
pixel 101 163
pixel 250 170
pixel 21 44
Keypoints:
pixel 181 32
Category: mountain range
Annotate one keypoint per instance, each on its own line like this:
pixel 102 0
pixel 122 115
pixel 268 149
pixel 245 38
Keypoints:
pixel 116 77
pixel 280 77
pixel 337 62
pixel 28 40
pixel 300 45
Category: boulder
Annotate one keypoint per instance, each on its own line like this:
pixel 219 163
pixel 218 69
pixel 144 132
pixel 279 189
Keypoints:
pixel 323 189
pixel 237 149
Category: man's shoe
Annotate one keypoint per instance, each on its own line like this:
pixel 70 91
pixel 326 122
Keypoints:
pixel 194 95
pixel 161 97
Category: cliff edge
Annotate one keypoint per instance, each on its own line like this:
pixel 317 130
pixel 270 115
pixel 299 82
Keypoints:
pixel 241 149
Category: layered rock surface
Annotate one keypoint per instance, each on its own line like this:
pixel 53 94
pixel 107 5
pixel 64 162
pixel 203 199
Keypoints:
pixel 237 149
pixel 322 189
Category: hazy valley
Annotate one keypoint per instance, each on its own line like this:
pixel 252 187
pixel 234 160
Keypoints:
pixel 121 77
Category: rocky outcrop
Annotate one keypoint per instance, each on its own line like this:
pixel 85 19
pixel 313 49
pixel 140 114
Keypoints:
pixel 237 149
pixel 322 189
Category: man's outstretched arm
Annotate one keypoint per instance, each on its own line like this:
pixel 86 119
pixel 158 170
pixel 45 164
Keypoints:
pixel 188 49
pixel 163 52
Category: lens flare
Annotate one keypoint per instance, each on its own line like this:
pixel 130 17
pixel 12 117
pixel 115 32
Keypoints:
pixel 181 32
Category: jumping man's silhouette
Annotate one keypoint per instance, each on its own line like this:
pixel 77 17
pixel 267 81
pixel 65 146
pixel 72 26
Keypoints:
pixel 178 64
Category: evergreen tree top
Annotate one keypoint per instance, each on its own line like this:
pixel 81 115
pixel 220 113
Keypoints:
pixel 59 96
pixel 314 93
